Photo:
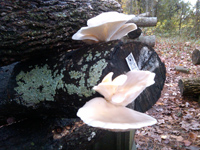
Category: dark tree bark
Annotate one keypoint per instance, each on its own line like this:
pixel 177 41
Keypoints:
pixel 49 134
pixel 39 98
pixel 60 84
pixel 34 28
pixel 135 33
pixel 43 92
pixel 189 86
pixel 196 57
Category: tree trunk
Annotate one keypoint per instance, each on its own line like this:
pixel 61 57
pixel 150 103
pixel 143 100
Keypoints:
pixel 180 19
pixel 147 6
pixel 131 7
pixel 60 84
pixel 189 87
pixel 197 32
pixel 34 28
pixel 196 57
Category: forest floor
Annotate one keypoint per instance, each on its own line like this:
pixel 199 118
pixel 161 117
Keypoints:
pixel 178 117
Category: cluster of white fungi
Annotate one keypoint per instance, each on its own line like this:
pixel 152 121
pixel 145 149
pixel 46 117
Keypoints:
pixel 111 112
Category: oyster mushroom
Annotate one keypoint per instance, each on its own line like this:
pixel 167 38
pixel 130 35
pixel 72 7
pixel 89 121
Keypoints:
pixel 105 27
pixel 111 112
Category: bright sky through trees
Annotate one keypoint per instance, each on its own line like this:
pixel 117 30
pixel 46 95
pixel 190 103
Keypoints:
pixel 193 2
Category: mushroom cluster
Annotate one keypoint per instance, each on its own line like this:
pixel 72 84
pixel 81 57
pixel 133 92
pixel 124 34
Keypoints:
pixel 107 26
pixel 111 112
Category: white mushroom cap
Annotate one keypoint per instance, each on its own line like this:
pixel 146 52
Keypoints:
pixel 111 113
pixel 106 17
pixel 125 88
pixel 137 81
pixel 105 27
pixel 107 87
pixel 102 114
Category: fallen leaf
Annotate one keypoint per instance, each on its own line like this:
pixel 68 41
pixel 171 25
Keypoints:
pixel 187 143
pixel 187 117
pixel 161 121
pixel 178 138
pixel 192 135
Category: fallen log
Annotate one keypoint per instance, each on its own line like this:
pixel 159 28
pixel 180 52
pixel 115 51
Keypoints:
pixel 44 94
pixel 135 33
pixel 196 57
pixel 144 21
pixel 49 133
pixel 149 40
pixel 182 69
pixel 34 28
pixel 56 133
pixel 60 84
pixel 189 86
pixel 147 14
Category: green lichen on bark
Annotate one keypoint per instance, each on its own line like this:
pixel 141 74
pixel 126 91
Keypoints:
pixel 39 84
pixel 84 86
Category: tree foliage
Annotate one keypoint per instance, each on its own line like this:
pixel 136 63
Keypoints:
pixel 175 17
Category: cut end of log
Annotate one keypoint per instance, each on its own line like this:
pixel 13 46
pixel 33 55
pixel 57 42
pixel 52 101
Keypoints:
pixel 189 87
pixel 196 57
pixel 181 86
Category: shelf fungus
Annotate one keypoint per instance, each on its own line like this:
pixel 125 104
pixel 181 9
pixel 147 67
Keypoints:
pixel 111 112
pixel 107 26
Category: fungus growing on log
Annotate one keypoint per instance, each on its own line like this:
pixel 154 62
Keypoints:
pixel 107 26
pixel 110 112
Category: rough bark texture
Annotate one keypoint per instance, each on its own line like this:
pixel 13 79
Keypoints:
pixel 34 28
pixel 59 85
pixel 48 134
pixel 196 57
pixel 39 98
pixel 189 86
pixel 56 86
pixel 56 134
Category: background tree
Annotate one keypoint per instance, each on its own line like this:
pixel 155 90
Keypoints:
pixel 175 17
pixel 197 25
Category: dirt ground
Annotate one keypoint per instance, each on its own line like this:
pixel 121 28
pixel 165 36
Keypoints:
pixel 178 117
